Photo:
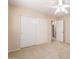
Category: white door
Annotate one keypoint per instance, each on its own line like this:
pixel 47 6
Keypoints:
pixel 34 31
pixel 59 30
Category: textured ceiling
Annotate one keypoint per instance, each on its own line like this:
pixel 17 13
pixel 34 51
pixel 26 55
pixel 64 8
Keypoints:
pixel 39 5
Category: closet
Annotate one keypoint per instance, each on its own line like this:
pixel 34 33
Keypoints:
pixel 33 31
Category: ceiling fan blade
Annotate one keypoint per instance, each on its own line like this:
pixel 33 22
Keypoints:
pixel 57 10
pixel 52 1
pixel 64 10
pixel 60 2
pixel 53 6
pixel 66 6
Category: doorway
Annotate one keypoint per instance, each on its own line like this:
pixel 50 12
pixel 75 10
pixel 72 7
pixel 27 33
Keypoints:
pixel 58 30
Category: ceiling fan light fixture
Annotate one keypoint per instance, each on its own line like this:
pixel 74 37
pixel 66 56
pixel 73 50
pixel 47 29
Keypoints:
pixel 57 10
pixel 64 10
pixel 61 8
pixel 66 6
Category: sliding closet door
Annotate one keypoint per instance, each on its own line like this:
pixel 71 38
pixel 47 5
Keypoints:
pixel 34 31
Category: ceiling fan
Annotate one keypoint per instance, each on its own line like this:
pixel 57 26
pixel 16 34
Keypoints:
pixel 61 7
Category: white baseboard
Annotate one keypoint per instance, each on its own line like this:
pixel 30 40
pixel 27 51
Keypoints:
pixel 13 50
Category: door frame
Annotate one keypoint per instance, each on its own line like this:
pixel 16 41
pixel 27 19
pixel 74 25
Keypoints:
pixel 63 29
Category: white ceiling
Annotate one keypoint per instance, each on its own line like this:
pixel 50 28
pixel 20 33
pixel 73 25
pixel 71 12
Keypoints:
pixel 39 5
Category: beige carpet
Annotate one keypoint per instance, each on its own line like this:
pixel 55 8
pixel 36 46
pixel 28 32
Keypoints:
pixel 54 50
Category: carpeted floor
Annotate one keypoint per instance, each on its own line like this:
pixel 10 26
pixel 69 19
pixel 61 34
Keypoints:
pixel 53 50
